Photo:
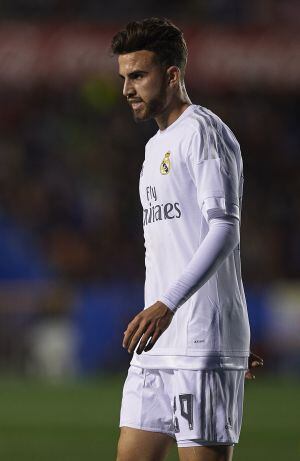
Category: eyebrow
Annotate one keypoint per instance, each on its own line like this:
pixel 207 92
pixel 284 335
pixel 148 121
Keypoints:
pixel 131 74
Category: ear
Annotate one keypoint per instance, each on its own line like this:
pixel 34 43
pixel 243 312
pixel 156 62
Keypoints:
pixel 173 73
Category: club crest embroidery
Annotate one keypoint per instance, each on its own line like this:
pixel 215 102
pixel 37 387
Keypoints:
pixel 165 165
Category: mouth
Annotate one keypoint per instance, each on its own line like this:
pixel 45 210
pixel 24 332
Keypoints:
pixel 136 105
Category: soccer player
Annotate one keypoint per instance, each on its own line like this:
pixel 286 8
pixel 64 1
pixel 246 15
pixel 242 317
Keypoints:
pixel 190 344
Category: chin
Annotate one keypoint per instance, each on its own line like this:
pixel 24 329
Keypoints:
pixel 141 119
pixel 141 116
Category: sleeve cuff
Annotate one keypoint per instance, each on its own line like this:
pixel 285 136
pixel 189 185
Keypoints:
pixel 168 303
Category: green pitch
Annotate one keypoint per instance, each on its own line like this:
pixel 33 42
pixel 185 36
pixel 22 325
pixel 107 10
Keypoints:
pixel 77 421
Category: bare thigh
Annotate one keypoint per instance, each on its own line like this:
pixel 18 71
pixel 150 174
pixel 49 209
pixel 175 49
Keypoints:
pixel 216 453
pixel 141 445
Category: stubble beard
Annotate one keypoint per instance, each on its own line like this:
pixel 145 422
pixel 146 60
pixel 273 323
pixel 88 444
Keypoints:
pixel 151 109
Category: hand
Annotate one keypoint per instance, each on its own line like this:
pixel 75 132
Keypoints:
pixel 149 323
pixel 254 361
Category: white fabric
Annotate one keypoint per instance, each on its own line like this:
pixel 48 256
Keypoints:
pixel 204 406
pixel 192 175
pixel 190 362
pixel 221 239
pixel 199 443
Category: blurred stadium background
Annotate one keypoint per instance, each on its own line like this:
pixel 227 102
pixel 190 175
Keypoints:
pixel 71 266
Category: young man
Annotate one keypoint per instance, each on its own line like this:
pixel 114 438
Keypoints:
pixel 191 342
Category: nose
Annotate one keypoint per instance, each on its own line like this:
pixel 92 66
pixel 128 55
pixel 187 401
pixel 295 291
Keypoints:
pixel 128 89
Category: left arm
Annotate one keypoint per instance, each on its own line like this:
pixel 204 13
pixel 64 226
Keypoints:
pixel 149 324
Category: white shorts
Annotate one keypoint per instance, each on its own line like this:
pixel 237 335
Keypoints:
pixel 196 407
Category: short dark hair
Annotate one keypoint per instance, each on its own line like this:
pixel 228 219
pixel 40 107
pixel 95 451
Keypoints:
pixel 159 35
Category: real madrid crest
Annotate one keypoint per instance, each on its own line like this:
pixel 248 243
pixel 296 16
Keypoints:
pixel 165 165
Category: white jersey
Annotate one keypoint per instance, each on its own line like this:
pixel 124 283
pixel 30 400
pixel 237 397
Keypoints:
pixel 193 173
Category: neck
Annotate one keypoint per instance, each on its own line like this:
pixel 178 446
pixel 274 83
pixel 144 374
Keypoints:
pixel 174 109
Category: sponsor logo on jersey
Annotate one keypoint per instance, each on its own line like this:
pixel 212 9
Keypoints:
pixel 165 165
pixel 161 212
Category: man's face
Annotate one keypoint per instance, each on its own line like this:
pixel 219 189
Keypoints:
pixel 145 84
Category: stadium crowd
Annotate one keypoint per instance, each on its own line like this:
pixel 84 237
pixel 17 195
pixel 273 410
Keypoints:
pixel 69 175
pixel 204 11
pixel 70 162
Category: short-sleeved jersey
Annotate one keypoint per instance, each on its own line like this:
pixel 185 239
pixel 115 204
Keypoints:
pixel 192 173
